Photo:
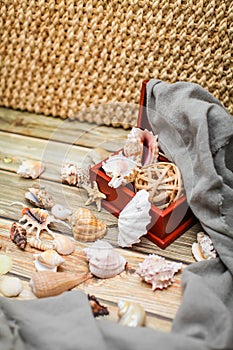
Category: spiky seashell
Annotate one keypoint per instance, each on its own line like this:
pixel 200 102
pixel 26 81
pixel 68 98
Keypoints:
pixel 50 258
pixel 203 249
pixel 60 212
pixel 39 244
pixel 18 235
pixel 104 261
pixel 63 245
pixel 158 271
pixel 10 286
pixel 121 169
pixel 31 169
pixel 6 264
pixel 72 174
pixel 49 283
pixel 39 197
pixel 86 227
pixel 142 146
pixel 134 219
pixel 131 314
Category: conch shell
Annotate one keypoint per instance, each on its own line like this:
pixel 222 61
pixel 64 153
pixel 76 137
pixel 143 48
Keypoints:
pixel 31 169
pixel 131 314
pixel 203 249
pixel 49 283
pixel 142 146
pixel 39 197
pixel 48 259
pixel 158 271
pixel 104 261
pixel 10 286
pixel 86 227
pixel 133 219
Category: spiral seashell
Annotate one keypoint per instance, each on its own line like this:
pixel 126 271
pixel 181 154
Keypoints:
pixel 39 197
pixel 10 286
pixel 63 245
pixel 104 261
pixel 60 212
pixel 203 249
pixel 86 227
pixel 31 169
pixel 18 235
pixel 39 244
pixel 48 283
pixel 50 258
pixel 72 174
pixel 158 271
pixel 131 314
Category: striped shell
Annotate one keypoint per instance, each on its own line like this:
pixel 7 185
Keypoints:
pixel 86 227
pixel 39 244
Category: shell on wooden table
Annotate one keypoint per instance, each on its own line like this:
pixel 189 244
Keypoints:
pixel 31 169
pixel 18 235
pixel 157 271
pixel 10 286
pixel 134 219
pixel 49 258
pixel 49 283
pixel 131 314
pixel 39 197
pixel 142 146
pixel 104 261
pixel 203 249
pixel 6 264
pixel 60 212
pixel 63 245
pixel 121 169
pixel 39 244
pixel 73 174
pixel 86 227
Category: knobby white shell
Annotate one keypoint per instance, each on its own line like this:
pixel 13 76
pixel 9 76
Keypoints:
pixel 104 261
pixel 60 212
pixel 203 249
pixel 31 169
pixel 133 219
pixel 10 286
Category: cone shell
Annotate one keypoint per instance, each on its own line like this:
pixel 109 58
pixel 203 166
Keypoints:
pixel 86 227
pixel 48 283
pixel 104 261
pixel 63 245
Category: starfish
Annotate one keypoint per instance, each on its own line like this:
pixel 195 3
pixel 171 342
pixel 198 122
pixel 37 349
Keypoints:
pixel 94 195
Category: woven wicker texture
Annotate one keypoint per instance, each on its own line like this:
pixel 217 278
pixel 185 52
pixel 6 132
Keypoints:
pixel 61 57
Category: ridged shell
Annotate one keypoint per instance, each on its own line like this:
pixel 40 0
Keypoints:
pixel 104 261
pixel 10 286
pixel 133 219
pixel 86 227
pixel 39 197
pixel 121 169
pixel 131 314
pixel 63 245
pixel 158 271
pixel 49 283
pixel 203 249
pixel 18 235
pixel 39 244
pixel 142 146
pixel 31 169
pixel 50 258
pixel 60 212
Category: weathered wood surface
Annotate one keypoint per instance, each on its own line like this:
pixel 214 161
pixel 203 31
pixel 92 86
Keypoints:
pixel 24 136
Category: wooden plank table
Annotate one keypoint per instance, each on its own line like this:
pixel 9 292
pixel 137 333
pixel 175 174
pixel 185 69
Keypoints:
pixel 54 141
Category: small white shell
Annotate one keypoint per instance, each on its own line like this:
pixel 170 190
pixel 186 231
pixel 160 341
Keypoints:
pixel 203 249
pixel 133 219
pixel 60 212
pixel 63 245
pixel 31 169
pixel 49 259
pixel 10 286
pixel 131 314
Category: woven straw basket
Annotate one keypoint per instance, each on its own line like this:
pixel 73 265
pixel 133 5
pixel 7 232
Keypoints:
pixel 87 59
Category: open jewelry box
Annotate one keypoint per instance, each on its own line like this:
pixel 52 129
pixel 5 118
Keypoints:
pixel 167 224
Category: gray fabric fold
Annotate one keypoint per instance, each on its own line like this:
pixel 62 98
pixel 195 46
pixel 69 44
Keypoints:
pixel 196 132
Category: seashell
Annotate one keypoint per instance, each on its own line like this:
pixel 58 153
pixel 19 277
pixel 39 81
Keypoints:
pixel 96 307
pixel 60 212
pixel 31 169
pixel 133 219
pixel 86 227
pixel 142 146
pixel 39 197
pixel 72 174
pixel 10 286
pixel 63 245
pixel 131 314
pixel 6 264
pixel 39 244
pixel 203 249
pixel 50 258
pixel 18 235
pixel 158 271
pixel 49 283
pixel 121 169
pixel 104 261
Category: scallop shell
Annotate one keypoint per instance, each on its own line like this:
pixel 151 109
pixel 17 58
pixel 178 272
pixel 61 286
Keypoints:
pixel 158 271
pixel 50 258
pixel 49 283
pixel 131 314
pixel 10 286
pixel 203 249
pixel 86 227
pixel 39 244
pixel 31 169
pixel 142 146
pixel 60 212
pixel 104 261
pixel 133 219
pixel 39 197
pixel 72 174
pixel 121 169
pixel 63 245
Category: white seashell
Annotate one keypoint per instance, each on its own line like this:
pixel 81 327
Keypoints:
pixel 133 219
pixel 158 271
pixel 31 169
pixel 63 245
pixel 104 261
pixel 121 169
pixel 42 267
pixel 131 314
pixel 203 249
pixel 60 212
pixel 72 174
pixel 10 286
pixel 39 197
pixel 49 258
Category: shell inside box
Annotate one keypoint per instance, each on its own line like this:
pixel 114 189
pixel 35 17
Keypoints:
pixel 167 224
